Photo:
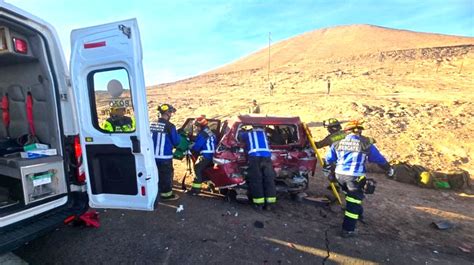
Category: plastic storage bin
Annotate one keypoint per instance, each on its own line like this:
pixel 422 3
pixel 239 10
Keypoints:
pixel 42 181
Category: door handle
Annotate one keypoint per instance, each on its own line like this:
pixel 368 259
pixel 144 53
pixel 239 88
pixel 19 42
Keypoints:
pixel 135 144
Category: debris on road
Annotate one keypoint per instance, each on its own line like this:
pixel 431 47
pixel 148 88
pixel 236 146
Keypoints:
pixel 180 208
pixel 465 248
pixel 90 218
pixel 443 225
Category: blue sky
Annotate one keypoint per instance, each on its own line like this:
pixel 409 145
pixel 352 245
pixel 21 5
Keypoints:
pixel 185 38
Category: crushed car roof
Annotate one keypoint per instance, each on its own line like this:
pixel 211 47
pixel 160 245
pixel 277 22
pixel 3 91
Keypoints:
pixel 266 120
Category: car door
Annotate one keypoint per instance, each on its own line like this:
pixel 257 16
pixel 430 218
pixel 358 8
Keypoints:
pixel 189 128
pixel 109 91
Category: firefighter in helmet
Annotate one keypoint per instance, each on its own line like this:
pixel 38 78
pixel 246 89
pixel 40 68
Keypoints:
pixel 118 121
pixel 204 146
pixel 335 133
pixel 349 155
pixel 165 137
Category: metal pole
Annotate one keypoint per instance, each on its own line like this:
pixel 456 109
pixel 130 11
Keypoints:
pixel 269 39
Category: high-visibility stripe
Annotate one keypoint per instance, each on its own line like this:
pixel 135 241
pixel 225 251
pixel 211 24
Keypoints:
pixel 359 179
pixel 158 144
pixel 258 200
pixel 255 139
pixel 251 141
pixel 196 185
pixel 355 158
pixel 351 215
pixel 259 150
pixel 166 194
pixel 271 199
pixel 164 157
pixel 353 200
pixel 163 141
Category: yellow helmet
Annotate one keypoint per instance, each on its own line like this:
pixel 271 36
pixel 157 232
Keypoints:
pixel 163 108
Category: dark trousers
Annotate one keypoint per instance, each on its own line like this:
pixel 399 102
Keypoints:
pixel 199 168
pixel 261 180
pixel 352 186
pixel 165 175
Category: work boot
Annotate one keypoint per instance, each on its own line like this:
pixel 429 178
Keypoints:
pixel 172 197
pixel 258 207
pixel 348 234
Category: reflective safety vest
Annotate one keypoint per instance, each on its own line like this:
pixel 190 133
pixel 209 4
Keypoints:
pixel 257 143
pixel 330 139
pixel 164 137
pixel 205 143
pixel 119 124
pixel 351 153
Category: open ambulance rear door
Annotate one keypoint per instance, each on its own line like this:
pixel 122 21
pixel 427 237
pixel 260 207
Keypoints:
pixel 107 78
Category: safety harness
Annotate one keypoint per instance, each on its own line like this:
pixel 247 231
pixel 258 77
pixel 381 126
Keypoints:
pixel 29 116
pixel 6 113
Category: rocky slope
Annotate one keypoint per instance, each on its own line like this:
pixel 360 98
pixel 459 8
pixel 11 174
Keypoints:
pixel 415 90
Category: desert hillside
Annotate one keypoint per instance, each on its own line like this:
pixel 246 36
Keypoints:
pixel 415 90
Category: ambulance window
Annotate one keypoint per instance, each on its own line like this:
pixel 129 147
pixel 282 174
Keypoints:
pixel 112 108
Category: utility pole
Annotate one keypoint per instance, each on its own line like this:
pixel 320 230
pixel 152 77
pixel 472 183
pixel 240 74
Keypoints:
pixel 269 41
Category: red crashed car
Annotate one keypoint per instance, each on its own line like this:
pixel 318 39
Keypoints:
pixel 293 159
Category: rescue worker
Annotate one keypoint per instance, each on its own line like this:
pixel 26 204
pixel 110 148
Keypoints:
pixel 335 133
pixel 350 155
pixel 165 137
pixel 204 146
pixel 118 122
pixel 255 108
pixel 261 175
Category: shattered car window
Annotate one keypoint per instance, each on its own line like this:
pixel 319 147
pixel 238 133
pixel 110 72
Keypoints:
pixel 277 134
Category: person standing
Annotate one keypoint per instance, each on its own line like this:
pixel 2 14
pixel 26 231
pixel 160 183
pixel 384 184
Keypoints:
pixel 335 133
pixel 255 108
pixel 204 146
pixel 165 137
pixel 329 86
pixel 350 155
pixel 261 175
pixel 118 122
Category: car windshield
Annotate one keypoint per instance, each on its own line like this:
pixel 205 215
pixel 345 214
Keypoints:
pixel 282 134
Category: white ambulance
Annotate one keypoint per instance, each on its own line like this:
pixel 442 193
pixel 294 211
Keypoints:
pixel 56 158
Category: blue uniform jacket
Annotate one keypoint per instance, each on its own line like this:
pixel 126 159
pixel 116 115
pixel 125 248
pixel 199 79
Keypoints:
pixel 205 143
pixel 256 143
pixel 351 153
pixel 165 137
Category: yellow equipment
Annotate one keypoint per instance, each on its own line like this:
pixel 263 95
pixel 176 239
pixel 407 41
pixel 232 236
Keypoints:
pixel 311 142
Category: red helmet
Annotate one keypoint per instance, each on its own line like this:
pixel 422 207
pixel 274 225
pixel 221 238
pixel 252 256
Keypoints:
pixel 201 121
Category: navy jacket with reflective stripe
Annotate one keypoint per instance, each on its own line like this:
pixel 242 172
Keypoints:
pixel 256 143
pixel 205 143
pixel 164 137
